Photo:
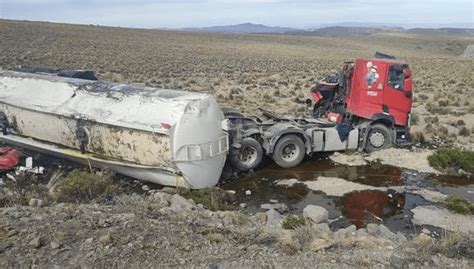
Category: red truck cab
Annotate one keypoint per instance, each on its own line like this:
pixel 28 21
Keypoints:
pixel 380 88
pixel 373 95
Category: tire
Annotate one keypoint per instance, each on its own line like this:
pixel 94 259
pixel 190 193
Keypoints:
pixel 248 156
pixel 379 137
pixel 289 151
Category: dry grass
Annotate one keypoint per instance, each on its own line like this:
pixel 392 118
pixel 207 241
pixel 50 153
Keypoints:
pixel 248 71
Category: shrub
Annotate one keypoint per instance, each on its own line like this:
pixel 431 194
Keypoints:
pixel 464 132
pixel 292 222
pixel 83 186
pixel 418 137
pixel 459 205
pixel 453 158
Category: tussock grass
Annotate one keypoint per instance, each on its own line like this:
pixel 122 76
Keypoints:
pixel 449 159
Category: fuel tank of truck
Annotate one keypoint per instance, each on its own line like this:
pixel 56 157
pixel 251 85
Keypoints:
pixel 163 136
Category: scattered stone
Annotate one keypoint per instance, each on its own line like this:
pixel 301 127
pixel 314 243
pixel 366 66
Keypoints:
pixel 273 201
pixel 169 190
pixel 316 213
pixel 288 182
pixel 386 233
pixel 89 240
pixel 398 261
pixel 33 202
pixel 372 229
pixel 54 245
pixel 36 242
pixel 273 218
pixel 248 192
pixel 282 208
pixel 162 198
pixel 345 232
pixel 145 188
pixel 319 244
pixel 242 205
pixel 178 202
pixel 232 192
pixel 426 231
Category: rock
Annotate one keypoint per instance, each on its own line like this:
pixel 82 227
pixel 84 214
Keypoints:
pixel 89 240
pixel 386 233
pixel 273 218
pixel 54 245
pixel 40 203
pixel 180 203
pixel 362 233
pixel 248 192
pixel 169 190
pixel 398 261
pixel 162 198
pixel 426 231
pixel 33 202
pixel 242 205
pixel 345 232
pixel 279 206
pixel 372 229
pixel 145 188
pixel 36 242
pixel 322 230
pixel 261 217
pixel 274 201
pixel 316 213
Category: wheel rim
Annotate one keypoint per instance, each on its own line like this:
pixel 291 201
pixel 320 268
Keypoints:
pixel 248 155
pixel 290 152
pixel 376 139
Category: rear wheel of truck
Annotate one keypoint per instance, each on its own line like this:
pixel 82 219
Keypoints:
pixel 248 156
pixel 379 137
pixel 289 151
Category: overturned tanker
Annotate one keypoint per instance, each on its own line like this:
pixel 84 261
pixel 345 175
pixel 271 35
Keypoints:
pixel 167 137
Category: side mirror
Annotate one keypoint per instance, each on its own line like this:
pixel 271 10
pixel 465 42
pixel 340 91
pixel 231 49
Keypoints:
pixel 407 73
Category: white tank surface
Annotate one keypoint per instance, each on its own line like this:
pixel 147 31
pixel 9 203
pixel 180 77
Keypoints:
pixel 163 136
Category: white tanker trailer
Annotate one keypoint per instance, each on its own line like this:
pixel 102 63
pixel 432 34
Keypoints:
pixel 166 137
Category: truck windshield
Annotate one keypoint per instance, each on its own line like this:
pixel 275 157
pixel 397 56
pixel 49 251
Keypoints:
pixel 396 77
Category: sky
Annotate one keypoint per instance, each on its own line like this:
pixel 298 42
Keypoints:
pixel 201 13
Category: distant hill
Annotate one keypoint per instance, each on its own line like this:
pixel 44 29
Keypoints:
pixel 357 30
pixel 445 31
pixel 339 31
pixel 244 28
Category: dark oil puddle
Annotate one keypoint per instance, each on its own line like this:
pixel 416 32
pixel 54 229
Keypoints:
pixel 360 207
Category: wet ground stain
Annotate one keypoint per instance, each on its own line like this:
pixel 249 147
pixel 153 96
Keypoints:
pixel 360 207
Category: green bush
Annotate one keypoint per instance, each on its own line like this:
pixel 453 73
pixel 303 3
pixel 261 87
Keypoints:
pixel 459 205
pixel 453 158
pixel 293 222
pixel 82 186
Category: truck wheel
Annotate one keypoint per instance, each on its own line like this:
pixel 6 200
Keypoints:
pixel 289 151
pixel 248 156
pixel 379 137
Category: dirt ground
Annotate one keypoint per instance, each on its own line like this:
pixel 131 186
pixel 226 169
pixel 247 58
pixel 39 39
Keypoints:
pixel 250 71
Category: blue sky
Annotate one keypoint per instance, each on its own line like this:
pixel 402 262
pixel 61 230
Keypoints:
pixel 199 13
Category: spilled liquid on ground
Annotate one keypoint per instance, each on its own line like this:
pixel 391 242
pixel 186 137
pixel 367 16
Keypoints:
pixel 392 208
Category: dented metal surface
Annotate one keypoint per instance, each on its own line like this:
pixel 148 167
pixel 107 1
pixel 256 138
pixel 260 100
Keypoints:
pixel 158 130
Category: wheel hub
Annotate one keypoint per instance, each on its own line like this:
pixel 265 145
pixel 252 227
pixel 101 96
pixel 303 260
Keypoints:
pixel 248 155
pixel 377 139
pixel 290 152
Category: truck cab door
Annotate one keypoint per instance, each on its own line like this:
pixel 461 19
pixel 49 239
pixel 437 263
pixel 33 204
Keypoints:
pixel 398 93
